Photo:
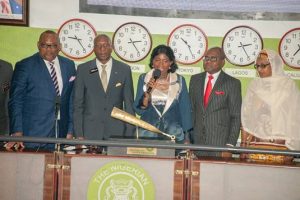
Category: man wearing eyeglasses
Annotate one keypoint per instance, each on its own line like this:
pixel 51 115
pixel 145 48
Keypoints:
pixel 40 94
pixel 216 105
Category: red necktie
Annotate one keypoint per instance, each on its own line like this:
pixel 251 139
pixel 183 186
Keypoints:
pixel 208 90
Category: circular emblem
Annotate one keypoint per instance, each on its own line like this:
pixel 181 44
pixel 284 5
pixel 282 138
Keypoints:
pixel 121 180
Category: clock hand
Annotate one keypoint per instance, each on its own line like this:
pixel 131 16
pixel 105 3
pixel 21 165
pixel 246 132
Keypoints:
pixel 245 45
pixel 134 41
pixel 297 50
pixel 79 41
pixel 184 41
pixel 75 38
pixel 244 49
pixel 189 46
pixel 133 45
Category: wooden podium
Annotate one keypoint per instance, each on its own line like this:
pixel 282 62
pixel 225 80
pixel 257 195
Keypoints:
pixel 233 180
pixel 37 176
pixel 28 175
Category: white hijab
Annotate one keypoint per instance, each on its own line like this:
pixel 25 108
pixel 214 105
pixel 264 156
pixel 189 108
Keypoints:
pixel 271 107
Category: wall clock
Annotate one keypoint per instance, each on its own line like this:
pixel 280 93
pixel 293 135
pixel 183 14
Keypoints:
pixel 77 38
pixel 289 48
pixel 241 45
pixel 189 43
pixel 132 42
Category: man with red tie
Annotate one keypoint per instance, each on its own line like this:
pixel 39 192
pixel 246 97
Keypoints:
pixel 216 104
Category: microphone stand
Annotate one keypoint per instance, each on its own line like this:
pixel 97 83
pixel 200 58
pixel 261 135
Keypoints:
pixel 57 153
pixel 137 132
pixel 57 118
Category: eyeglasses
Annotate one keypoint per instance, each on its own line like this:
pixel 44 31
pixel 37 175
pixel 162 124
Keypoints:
pixel 105 46
pixel 50 46
pixel 261 66
pixel 211 59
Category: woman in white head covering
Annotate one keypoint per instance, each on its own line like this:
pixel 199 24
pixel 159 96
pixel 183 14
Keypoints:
pixel 271 107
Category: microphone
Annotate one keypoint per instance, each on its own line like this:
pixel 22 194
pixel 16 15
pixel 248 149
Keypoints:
pixel 57 106
pixel 156 74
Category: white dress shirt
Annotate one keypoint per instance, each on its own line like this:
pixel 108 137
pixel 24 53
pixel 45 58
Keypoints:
pixel 107 69
pixel 58 73
pixel 213 81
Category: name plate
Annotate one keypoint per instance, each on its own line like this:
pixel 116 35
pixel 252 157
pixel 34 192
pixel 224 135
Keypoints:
pixel 142 151
pixel 136 151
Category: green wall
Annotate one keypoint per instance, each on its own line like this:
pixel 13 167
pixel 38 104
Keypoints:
pixel 17 43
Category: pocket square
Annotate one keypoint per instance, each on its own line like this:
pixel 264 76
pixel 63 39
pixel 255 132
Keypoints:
pixel 72 78
pixel 219 92
pixel 118 84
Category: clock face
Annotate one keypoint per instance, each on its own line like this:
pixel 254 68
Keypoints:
pixel 132 42
pixel 189 43
pixel 289 48
pixel 77 38
pixel 241 45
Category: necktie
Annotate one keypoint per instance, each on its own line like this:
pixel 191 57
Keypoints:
pixel 104 77
pixel 208 90
pixel 54 78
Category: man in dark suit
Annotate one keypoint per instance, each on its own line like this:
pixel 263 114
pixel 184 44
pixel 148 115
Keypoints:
pixel 100 85
pixel 216 114
pixel 6 71
pixel 41 92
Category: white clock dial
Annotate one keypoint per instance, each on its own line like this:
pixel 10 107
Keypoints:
pixel 289 48
pixel 189 43
pixel 132 42
pixel 241 45
pixel 77 38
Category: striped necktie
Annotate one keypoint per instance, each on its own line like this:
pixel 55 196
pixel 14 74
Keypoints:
pixel 54 78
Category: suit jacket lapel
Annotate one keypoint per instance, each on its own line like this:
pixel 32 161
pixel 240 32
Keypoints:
pixel 95 76
pixel 201 82
pixel 113 76
pixel 45 73
pixel 173 91
pixel 217 85
pixel 64 77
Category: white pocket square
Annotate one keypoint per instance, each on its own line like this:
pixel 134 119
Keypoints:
pixel 118 84
pixel 72 78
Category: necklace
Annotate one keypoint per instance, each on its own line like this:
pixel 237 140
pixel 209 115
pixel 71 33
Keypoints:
pixel 163 80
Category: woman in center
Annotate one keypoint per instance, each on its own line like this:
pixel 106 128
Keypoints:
pixel 163 101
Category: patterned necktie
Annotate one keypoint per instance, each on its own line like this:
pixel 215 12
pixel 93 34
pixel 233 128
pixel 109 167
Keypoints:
pixel 54 78
pixel 208 90
pixel 104 77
